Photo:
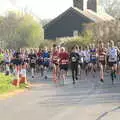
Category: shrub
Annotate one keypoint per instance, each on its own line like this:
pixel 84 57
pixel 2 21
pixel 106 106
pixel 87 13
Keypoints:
pixel 47 43
pixel 5 83
pixel 85 39
pixel 69 42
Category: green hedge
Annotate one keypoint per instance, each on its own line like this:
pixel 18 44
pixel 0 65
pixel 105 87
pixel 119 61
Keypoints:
pixel 68 42
pixel 5 83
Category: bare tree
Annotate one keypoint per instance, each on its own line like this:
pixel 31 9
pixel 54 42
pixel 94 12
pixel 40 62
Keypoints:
pixel 105 31
pixel 112 7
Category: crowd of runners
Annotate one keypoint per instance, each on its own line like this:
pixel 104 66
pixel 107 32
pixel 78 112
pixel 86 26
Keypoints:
pixel 57 61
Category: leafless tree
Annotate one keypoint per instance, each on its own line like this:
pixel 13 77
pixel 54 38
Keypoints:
pixel 106 31
pixel 112 7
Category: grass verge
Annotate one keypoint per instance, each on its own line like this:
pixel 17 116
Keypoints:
pixel 6 84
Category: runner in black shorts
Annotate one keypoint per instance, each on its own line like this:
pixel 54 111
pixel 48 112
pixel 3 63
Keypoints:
pixel 102 59
pixel 46 61
pixel 32 61
pixel 113 54
pixel 63 64
pixel 74 60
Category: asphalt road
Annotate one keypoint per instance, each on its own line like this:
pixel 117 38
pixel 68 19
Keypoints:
pixel 86 100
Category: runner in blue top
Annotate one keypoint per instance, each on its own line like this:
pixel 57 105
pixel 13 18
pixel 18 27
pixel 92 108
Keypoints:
pixel 93 59
pixel 46 58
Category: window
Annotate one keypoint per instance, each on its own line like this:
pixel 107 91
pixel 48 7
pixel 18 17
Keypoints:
pixel 75 33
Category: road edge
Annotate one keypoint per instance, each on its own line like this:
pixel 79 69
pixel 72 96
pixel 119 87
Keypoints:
pixel 11 94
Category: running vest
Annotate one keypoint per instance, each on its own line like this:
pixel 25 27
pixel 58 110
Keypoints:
pixel 7 58
pixel 46 56
pixel 81 55
pixel 64 58
pixel 55 57
pixel 23 72
pixel 93 56
pixel 102 54
pixel 22 56
pixel 74 57
pixel 87 56
pixel 32 58
pixel 112 52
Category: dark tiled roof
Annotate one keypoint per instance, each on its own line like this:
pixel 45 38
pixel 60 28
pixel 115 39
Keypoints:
pixel 86 13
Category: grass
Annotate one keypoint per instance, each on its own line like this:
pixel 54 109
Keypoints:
pixel 6 84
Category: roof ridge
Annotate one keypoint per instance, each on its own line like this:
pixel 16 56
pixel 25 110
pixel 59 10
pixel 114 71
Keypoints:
pixel 102 16
pixel 94 13
pixel 85 13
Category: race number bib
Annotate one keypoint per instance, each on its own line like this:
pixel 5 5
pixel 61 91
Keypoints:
pixel 101 57
pixel 55 57
pixel 74 59
pixel 23 72
pixel 93 57
pixel 112 58
pixel 64 62
pixel 45 59
pixel 81 60
pixel 33 61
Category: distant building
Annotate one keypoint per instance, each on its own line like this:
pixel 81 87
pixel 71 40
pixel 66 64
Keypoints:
pixel 72 21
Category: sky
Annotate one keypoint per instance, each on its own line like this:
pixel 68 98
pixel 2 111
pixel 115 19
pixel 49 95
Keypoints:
pixel 44 9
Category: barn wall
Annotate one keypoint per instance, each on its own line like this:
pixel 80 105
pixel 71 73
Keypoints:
pixel 65 26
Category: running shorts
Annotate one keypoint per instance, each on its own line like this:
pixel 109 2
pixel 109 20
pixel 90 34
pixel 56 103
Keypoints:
pixel 32 65
pixel 102 62
pixel 111 64
pixel 64 67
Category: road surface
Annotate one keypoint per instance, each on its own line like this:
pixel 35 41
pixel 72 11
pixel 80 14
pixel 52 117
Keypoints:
pixel 86 100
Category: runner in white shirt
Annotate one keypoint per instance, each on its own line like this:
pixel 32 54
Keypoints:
pixel 7 59
pixel 86 60
pixel 81 61
pixel 113 54
pixel 81 54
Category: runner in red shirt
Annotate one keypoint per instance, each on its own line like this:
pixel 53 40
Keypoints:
pixel 39 52
pixel 64 59
pixel 63 64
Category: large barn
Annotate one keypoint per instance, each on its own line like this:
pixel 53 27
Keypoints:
pixel 72 21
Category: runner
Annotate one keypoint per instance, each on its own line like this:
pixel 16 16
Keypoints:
pixel 64 61
pixel 102 60
pixel 113 54
pixel 74 60
pixel 46 58
pixel 17 62
pixel 93 59
pixel 40 62
pixel 1 60
pixel 55 61
pixel 23 56
pixel 87 60
pixel 118 62
pixel 7 59
pixel 32 61
pixel 107 58
pixel 81 61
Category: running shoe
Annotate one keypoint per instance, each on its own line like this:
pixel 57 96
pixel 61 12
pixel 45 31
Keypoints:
pixel 73 82
pixel 101 80
pixel 46 77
